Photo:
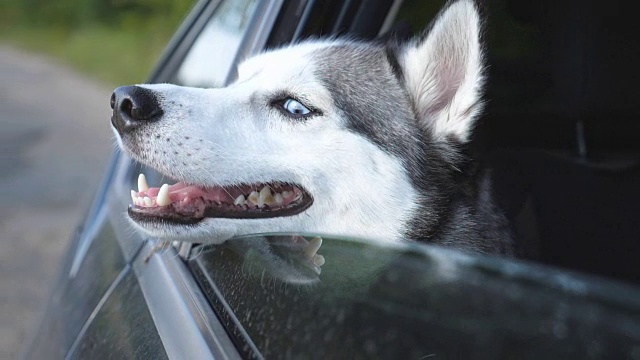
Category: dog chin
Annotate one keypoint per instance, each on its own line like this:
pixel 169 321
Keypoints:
pixel 204 232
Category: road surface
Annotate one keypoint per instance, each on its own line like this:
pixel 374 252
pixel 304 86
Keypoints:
pixel 54 145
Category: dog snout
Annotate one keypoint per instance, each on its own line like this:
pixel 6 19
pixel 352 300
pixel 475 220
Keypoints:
pixel 133 106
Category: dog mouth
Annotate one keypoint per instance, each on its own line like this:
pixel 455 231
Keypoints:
pixel 183 203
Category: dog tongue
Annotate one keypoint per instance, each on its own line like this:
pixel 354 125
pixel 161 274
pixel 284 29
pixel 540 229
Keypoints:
pixel 180 191
pixel 153 191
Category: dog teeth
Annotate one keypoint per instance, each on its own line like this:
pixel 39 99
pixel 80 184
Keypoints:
pixel 240 200
pixel 148 201
pixel 265 197
pixel 253 197
pixel 142 183
pixel 163 196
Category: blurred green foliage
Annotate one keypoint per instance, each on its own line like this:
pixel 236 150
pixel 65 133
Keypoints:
pixel 117 41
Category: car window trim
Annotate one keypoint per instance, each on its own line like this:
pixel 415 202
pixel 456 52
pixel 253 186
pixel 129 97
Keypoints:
pixel 188 327
pixel 303 20
pixel 391 17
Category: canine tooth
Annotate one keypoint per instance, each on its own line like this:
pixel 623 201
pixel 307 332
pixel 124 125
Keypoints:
pixel 148 201
pixel 239 200
pixel 253 197
pixel 279 199
pixel 163 196
pixel 142 183
pixel 314 245
pixel 265 197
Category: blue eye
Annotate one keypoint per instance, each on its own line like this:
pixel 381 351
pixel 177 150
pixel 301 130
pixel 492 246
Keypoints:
pixel 294 107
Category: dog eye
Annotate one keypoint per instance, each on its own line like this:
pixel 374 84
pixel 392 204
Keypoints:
pixel 294 107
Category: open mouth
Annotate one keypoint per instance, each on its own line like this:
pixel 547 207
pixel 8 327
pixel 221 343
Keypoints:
pixel 183 203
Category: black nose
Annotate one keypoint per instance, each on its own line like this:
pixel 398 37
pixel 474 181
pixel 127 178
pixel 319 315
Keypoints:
pixel 133 106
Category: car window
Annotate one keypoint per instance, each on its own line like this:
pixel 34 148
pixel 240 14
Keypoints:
pixel 208 62
pixel 122 328
pixel 77 294
pixel 311 297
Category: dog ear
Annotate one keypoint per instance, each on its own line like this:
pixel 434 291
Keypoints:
pixel 443 72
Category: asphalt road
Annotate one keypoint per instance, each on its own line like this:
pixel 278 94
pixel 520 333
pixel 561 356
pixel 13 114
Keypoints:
pixel 54 145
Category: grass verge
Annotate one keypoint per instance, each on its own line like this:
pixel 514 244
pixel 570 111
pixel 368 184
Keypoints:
pixel 114 56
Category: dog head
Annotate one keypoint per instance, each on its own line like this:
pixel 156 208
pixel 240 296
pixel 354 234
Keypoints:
pixel 331 137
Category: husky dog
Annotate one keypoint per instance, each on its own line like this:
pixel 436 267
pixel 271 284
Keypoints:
pixel 341 137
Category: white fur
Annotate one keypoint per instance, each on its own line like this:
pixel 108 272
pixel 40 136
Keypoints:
pixel 443 73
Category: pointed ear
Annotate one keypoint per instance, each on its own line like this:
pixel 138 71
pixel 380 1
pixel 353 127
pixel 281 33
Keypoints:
pixel 443 72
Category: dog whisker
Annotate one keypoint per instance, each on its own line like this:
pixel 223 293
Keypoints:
pixel 225 190
pixel 200 249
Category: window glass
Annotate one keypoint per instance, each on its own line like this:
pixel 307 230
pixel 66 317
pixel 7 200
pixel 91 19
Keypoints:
pixel 75 296
pixel 210 59
pixel 300 297
pixel 123 328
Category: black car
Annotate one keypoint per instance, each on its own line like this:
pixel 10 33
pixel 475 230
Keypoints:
pixel 560 132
